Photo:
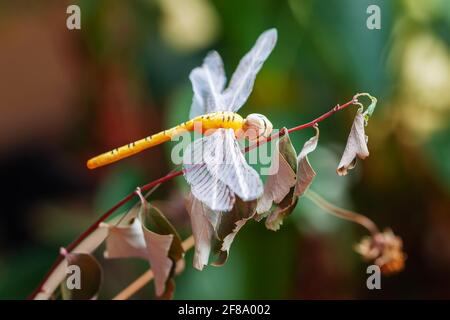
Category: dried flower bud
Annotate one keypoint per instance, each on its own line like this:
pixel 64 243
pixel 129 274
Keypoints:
pixel 385 250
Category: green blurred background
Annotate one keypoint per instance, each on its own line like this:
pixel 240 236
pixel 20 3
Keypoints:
pixel 68 95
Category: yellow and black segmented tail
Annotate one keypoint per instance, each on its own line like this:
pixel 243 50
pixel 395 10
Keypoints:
pixel 210 121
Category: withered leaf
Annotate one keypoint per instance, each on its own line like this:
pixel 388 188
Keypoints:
pixel 125 240
pixel 287 150
pixel 158 255
pixel 163 245
pixel 279 188
pixel 203 223
pixel 304 177
pixel 356 145
pixel 305 173
pixel 277 185
pixel 230 224
pixel 275 219
pixel 83 278
pixel 282 175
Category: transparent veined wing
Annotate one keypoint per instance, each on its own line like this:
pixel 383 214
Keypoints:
pixel 216 169
pixel 208 82
pixel 241 83
pixel 204 185
pixel 210 190
pixel 230 167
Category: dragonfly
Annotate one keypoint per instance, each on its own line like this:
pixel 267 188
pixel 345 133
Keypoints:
pixel 214 165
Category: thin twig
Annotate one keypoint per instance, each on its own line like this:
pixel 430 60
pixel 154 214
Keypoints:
pixel 343 213
pixel 149 192
pixel 147 276
pixel 310 124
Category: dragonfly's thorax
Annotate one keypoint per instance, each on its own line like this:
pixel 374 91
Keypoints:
pixel 257 125
pixel 216 120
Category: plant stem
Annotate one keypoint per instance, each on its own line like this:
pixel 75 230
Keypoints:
pixel 323 117
pixel 147 276
pixel 167 177
pixel 304 126
pixel 343 213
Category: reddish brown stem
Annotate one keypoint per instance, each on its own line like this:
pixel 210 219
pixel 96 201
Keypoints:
pixel 167 177
pixel 303 126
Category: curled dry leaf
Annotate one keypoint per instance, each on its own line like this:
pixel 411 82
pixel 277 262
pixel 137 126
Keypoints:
pixel 356 145
pixel 203 222
pixel 280 186
pixel 156 240
pixel 125 241
pixel 282 175
pixel 277 185
pixel 158 254
pixel 163 245
pixel 215 230
pixel 305 173
pixel 229 225
pixel 83 278
pixel 275 219
pixel 385 250
pixel 291 188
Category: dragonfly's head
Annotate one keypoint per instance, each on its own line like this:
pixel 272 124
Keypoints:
pixel 256 125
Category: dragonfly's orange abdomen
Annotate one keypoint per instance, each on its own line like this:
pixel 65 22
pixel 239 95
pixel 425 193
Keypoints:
pixel 216 120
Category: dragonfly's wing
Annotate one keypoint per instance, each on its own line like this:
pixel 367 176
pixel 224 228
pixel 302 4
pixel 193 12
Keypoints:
pixel 242 81
pixel 216 169
pixel 208 82
pixel 210 190
pixel 204 185
pixel 226 162
pixel 237 173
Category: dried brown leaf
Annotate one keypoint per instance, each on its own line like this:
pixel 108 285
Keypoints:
pixel 158 255
pixel 125 241
pixel 305 173
pixel 282 175
pixel 356 145
pixel 277 185
pixel 230 224
pixel 163 245
pixel 203 224
pixel 275 219
pixel 90 273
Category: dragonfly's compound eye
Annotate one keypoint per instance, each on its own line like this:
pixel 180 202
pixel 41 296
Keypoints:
pixel 257 125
